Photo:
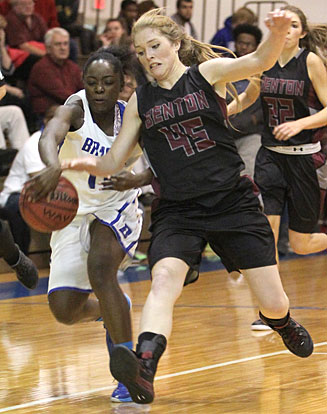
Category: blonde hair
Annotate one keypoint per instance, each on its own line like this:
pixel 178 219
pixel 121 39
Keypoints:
pixel 191 51
pixel 316 37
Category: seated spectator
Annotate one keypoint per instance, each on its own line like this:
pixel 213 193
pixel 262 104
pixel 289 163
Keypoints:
pixel 25 31
pixel 13 126
pixel 27 163
pixel 45 8
pixel 4 7
pixel 128 88
pixel 224 37
pixel 14 95
pixel 128 13
pixel 25 269
pixel 55 77
pixel 114 33
pixel 183 16
pixel 67 11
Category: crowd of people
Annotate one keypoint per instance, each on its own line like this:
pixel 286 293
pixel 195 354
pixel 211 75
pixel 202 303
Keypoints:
pixel 228 125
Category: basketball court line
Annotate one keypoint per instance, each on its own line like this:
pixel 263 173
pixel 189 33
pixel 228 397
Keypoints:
pixel 138 305
pixel 159 378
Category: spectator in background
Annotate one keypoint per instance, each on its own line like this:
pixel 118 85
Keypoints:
pixel 25 31
pixel 12 120
pixel 128 88
pixel 128 13
pixel 54 77
pixel 26 164
pixel 146 6
pixel 13 126
pixel 4 7
pixel 183 16
pixel 114 33
pixel 14 95
pixel 25 269
pixel 48 10
pixel 45 8
pixel 67 11
pixel 247 125
pixel 224 37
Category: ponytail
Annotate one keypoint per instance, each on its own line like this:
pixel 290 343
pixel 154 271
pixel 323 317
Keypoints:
pixel 316 41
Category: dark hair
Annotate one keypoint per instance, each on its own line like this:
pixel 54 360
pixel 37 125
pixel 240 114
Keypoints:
pixel 115 55
pixel 145 6
pixel 179 3
pixel 125 3
pixel 249 29
pixel 114 19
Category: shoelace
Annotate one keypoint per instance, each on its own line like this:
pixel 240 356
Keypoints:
pixel 293 334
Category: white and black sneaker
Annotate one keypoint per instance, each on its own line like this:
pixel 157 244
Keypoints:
pixel 259 325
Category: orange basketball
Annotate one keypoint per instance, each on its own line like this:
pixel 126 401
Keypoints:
pixel 53 212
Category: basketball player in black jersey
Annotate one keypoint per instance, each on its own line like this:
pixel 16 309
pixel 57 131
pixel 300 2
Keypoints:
pixel 25 269
pixel 181 118
pixel 293 93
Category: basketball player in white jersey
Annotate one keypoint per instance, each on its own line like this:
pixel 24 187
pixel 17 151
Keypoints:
pixel 87 253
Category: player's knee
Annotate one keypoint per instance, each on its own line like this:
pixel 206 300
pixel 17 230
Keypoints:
pixel 62 312
pixel 165 283
pixel 17 114
pixel 102 278
pixel 299 246
pixel 300 242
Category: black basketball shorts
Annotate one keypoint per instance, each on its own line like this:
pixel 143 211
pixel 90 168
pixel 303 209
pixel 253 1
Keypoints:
pixel 235 228
pixel 292 180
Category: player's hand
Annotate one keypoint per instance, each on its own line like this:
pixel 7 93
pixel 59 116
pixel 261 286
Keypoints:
pixel 287 130
pixel 278 21
pixel 45 182
pixel 120 182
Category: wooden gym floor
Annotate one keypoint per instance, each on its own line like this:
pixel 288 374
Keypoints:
pixel 214 363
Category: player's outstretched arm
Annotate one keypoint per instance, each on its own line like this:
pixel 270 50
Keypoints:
pixel 230 70
pixel 53 134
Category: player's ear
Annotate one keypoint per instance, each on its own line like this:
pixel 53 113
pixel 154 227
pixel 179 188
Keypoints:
pixel 177 46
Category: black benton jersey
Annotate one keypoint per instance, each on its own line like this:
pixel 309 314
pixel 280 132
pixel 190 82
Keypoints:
pixel 185 137
pixel 287 94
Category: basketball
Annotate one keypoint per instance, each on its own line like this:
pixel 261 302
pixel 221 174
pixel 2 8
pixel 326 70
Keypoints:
pixel 53 212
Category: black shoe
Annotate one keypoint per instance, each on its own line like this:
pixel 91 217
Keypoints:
pixel 134 372
pixel 26 271
pixel 295 337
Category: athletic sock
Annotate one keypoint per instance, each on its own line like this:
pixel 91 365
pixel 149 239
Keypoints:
pixel 276 323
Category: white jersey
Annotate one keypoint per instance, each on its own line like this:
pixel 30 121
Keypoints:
pixel 26 162
pixel 91 140
pixel 117 210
